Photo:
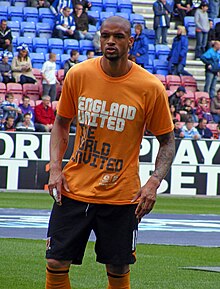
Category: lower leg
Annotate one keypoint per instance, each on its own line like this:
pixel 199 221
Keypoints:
pixel 118 277
pixel 57 274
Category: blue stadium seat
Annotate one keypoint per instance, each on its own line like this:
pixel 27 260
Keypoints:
pixel 137 19
pixel 160 67
pixel 122 14
pixel 149 67
pixel 94 14
pixel 55 45
pixel 2 9
pixel 189 23
pixel 104 15
pixel 125 6
pixel 162 51
pixel 46 16
pixel 40 45
pixel 92 29
pixel 58 60
pixel 111 6
pixel 97 5
pixel 43 30
pixel 30 14
pixel 15 28
pixel 69 44
pixel 19 3
pixel 3 12
pixel 85 45
pixel 63 59
pixel 37 59
pixel 150 33
pixel 14 43
pixel 26 40
pixel 215 21
pixel 151 51
pixel 28 29
pixel 82 57
pixel 15 13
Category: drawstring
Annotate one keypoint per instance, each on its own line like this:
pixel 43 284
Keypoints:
pixel 87 208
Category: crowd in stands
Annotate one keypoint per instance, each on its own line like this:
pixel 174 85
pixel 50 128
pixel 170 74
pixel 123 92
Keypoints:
pixel 74 20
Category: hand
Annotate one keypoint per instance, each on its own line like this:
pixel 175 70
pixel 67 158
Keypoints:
pixel 138 54
pixel 147 197
pixel 7 41
pixel 56 181
pixel 69 31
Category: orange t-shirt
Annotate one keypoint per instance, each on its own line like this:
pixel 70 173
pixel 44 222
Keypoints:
pixel 112 113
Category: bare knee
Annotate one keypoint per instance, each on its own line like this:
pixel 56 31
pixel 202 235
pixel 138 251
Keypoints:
pixel 117 269
pixel 57 264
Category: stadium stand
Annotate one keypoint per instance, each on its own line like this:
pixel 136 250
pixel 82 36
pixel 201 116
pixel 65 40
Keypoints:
pixel 16 89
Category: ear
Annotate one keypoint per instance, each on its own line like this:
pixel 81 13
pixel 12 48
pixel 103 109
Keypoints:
pixel 131 41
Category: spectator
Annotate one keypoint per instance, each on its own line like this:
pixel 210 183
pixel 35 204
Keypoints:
pixel 39 3
pixel 214 6
pixel 9 124
pixel 202 29
pixel 177 130
pixel 174 114
pixel 203 130
pixel 211 59
pixel 187 111
pixel 74 55
pixel 203 109
pixel 183 8
pixel 217 134
pixel 211 35
pixel 82 22
pixel 5 70
pixel 215 107
pixel 57 6
pixel 86 6
pixel 65 25
pixel 140 46
pixel 162 12
pixel 175 98
pixel 90 54
pixel 26 124
pixel 96 43
pixel 189 131
pixel 49 77
pixel 44 115
pixel 22 67
pixel 178 53
pixel 26 107
pixel 10 108
pixel 5 36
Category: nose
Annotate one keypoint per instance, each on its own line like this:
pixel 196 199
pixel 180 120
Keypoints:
pixel 111 40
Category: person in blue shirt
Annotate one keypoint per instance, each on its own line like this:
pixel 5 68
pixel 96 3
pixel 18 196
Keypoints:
pixel 189 131
pixel 162 12
pixel 203 130
pixel 211 58
pixel 58 5
pixel 178 53
pixel 139 50
pixel 65 25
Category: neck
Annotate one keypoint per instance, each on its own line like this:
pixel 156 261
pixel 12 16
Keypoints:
pixel 115 68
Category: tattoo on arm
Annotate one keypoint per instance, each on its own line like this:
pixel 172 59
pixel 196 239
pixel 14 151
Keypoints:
pixel 165 155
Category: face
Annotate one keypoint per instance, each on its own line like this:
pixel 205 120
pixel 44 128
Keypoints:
pixel 203 100
pixel 10 122
pixel 203 123
pixel 23 52
pixel 5 59
pixel 179 31
pixel 177 125
pixel 172 108
pixel 75 56
pixel 10 99
pixel 180 93
pixel 115 40
pixel 187 102
pixel 205 8
pixel 53 58
pixel 3 25
pixel 137 31
pixel 66 12
pixel 79 9
pixel 91 55
pixel 46 101
pixel 27 118
pixel 189 125
pixel 26 102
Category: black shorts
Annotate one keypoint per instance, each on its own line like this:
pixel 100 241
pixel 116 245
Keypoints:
pixel 115 227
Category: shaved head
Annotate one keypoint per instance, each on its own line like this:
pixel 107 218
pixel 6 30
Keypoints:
pixel 120 21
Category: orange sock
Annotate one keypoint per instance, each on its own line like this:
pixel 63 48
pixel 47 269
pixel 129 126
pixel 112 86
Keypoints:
pixel 57 278
pixel 119 281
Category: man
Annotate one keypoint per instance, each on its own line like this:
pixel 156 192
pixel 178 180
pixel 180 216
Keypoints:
pixel 82 22
pixel 90 54
pixel 114 100
pixel 74 55
pixel 189 131
pixel 26 124
pixel 65 25
pixel 162 12
pixel 211 58
pixel 203 130
pixel 44 115
pixel 5 36
pixel 5 69
pixel 175 98
pixel 10 108
pixel 183 8
pixel 26 107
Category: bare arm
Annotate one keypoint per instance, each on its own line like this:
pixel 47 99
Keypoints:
pixel 148 193
pixel 58 145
